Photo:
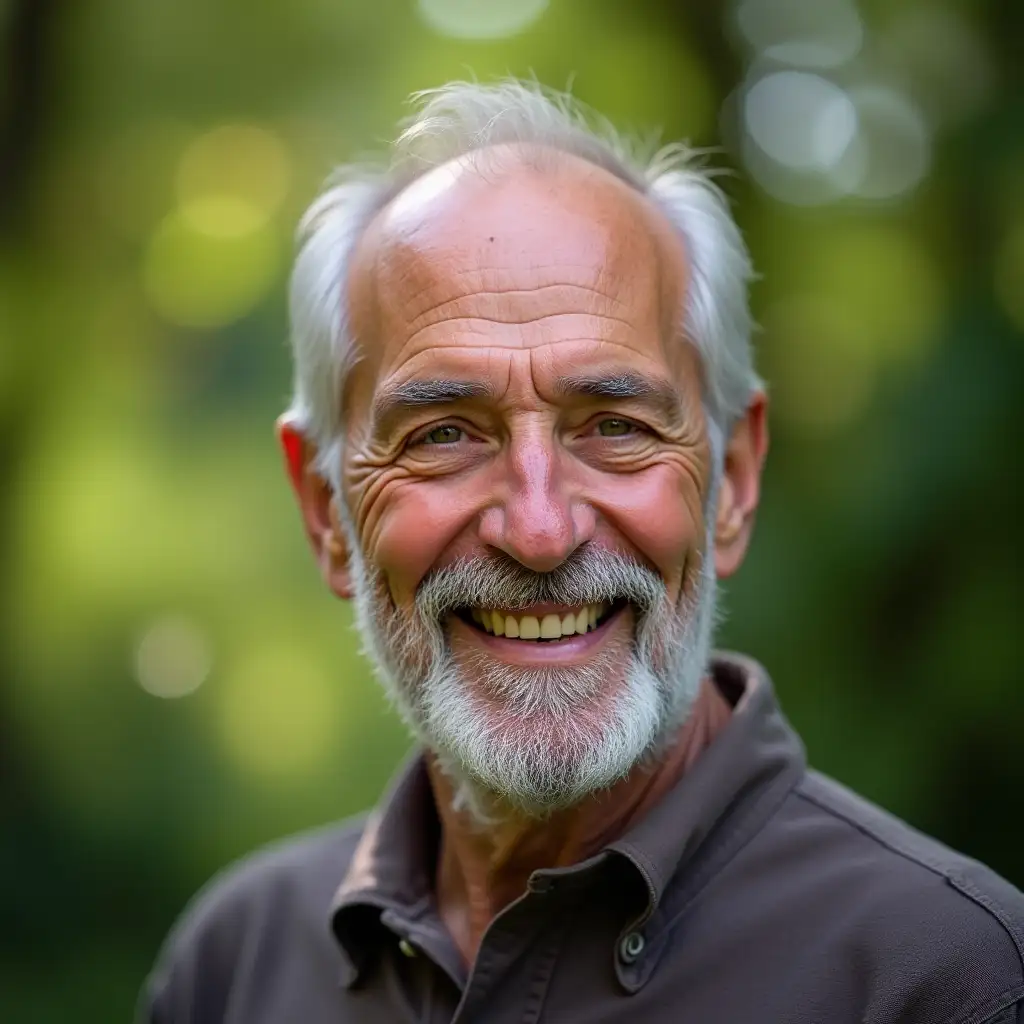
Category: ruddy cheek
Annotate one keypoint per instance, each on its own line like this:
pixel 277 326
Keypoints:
pixel 660 519
pixel 416 527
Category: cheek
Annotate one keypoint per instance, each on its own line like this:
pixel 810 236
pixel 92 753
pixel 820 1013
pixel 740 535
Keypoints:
pixel 660 513
pixel 416 523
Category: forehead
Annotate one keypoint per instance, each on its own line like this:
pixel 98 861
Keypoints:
pixel 477 259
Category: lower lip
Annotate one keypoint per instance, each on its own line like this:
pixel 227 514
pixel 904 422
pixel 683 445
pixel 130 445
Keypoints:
pixel 569 649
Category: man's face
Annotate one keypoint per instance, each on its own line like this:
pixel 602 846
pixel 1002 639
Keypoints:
pixel 526 474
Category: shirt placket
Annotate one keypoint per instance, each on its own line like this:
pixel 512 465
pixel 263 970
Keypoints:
pixel 425 956
pixel 510 975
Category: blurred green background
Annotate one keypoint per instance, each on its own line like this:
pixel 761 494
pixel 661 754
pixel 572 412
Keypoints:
pixel 176 687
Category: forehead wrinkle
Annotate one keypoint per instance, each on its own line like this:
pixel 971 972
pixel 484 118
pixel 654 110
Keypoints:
pixel 623 258
pixel 526 322
pixel 493 346
pixel 491 284
pixel 534 290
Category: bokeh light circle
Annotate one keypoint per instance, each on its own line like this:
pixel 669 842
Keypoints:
pixel 808 141
pixel 822 34
pixel 480 19
pixel 198 279
pixel 801 120
pixel 172 658
pixel 893 152
pixel 233 178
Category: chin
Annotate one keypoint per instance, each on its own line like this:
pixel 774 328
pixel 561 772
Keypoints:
pixel 540 744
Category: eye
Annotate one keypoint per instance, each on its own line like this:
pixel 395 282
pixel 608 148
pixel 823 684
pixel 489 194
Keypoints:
pixel 445 434
pixel 614 427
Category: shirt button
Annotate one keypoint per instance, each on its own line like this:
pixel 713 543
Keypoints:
pixel 631 947
pixel 407 948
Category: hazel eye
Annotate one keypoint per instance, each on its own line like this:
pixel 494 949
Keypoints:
pixel 445 434
pixel 615 428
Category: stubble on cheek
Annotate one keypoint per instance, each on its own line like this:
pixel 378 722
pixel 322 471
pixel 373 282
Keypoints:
pixel 407 644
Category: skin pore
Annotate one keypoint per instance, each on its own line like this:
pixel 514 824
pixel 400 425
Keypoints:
pixel 522 390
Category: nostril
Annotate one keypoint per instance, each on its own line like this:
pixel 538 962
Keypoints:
pixel 536 527
pixel 536 531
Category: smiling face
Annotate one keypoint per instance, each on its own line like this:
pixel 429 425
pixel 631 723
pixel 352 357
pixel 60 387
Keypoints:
pixel 526 475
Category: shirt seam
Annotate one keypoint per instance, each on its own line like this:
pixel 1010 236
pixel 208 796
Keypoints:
pixel 540 984
pixel 961 885
pixel 744 829
pixel 988 1010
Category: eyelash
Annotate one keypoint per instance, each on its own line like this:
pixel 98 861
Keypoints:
pixel 634 427
pixel 420 437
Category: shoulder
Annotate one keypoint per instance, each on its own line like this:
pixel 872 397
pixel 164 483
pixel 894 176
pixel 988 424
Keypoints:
pixel 943 932
pixel 281 893
pixel 288 880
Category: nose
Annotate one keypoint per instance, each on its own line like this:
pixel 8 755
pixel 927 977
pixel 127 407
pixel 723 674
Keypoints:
pixel 541 520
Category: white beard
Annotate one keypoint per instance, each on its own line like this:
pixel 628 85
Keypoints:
pixel 533 741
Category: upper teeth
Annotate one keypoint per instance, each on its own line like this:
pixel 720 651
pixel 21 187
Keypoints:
pixel 548 627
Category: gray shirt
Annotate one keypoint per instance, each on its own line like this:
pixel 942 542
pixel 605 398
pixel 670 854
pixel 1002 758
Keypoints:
pixel 756 891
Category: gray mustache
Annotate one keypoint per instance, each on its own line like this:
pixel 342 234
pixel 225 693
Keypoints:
pixel 590 575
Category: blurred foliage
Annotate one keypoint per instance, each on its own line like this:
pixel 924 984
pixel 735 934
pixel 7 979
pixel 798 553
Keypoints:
pixel 176 686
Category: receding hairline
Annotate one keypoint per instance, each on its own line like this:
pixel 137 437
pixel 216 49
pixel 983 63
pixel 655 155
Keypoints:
pixel 468 117
pixel 491 167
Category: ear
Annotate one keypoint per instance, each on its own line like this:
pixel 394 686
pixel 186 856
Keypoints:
pixel 740 490
pixel 318 507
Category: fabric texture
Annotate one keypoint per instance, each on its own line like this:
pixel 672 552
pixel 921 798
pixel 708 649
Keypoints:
pixel 756 890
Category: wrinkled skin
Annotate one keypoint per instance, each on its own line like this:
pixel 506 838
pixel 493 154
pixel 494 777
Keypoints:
pixel 515 282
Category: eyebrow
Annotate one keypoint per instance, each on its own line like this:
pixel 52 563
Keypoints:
pixel 418 394
pixel 659 393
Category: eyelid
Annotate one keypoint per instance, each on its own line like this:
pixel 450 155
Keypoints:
pixel 634 423
pixel 419 436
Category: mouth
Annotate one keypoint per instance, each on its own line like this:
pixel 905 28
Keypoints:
pixel 541 625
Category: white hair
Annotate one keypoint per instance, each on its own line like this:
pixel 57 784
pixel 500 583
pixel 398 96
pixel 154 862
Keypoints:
pixel 464 117
pixel 563 732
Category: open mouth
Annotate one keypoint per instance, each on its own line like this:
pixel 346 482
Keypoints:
pixel 544 628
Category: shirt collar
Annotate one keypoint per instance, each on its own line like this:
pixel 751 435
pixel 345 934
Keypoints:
pixel 392 869
pixel 755 750
pixel 756 755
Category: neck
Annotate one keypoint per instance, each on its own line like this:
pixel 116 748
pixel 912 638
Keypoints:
pixel 480 871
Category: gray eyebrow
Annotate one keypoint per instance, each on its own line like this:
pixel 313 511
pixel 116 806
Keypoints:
pixel 415 394
pixel 661 394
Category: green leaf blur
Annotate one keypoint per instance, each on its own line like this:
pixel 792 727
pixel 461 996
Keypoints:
pixel 176 686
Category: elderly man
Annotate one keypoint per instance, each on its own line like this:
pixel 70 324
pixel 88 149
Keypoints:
pixel 526 441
